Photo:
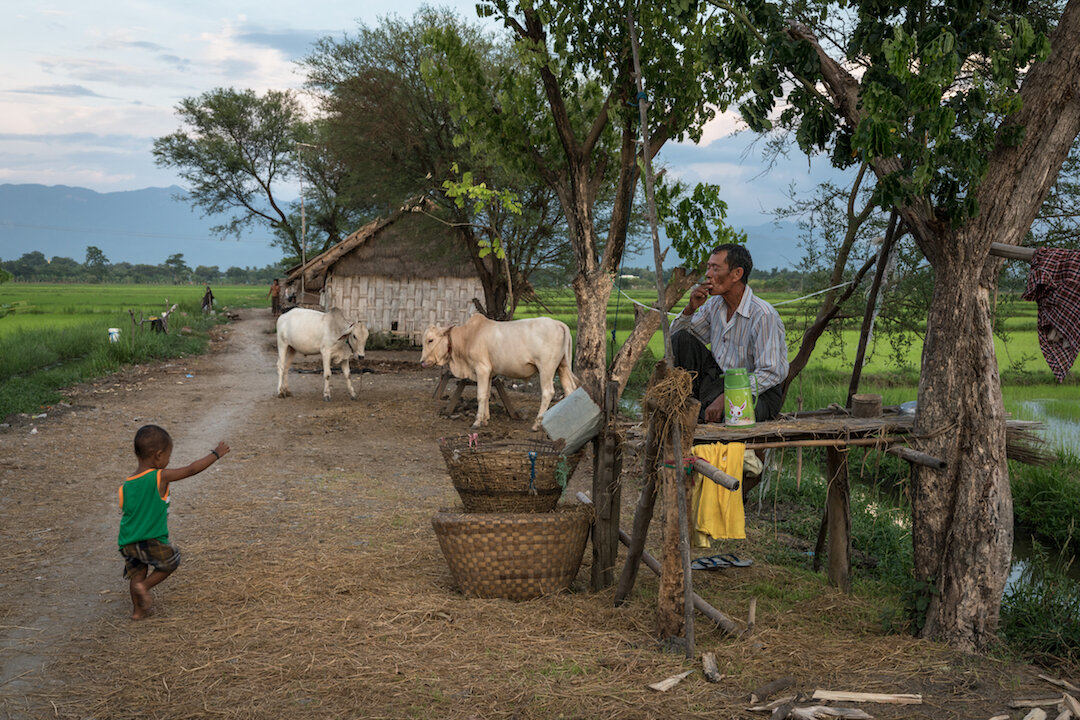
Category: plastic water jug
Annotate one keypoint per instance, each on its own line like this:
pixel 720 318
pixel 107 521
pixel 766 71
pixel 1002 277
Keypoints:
pixel 739 399
pixel 114 334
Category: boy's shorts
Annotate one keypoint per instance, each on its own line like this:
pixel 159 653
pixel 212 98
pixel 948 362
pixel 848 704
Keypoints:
pixel 154 553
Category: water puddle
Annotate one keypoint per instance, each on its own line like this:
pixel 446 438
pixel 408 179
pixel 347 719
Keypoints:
pixel 1059 433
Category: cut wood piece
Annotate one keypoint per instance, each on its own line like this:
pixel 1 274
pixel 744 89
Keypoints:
pixel 1072 704
pixel 819 712
pixel 782 711
pixel 786 700
pixel 708 666
pixel 1036 714
pixel 1060 683
pixel 771 688
pixel 1034 702
pixel 668 683
pixel 1064 715
pixel 887 698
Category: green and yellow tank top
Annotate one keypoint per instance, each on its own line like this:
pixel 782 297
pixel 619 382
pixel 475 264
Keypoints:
pixel 145 512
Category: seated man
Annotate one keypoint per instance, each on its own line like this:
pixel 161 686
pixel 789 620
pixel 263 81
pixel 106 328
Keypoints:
pixel 743 330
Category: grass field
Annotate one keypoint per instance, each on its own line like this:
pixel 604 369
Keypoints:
pixel 61 330
pixel 54 336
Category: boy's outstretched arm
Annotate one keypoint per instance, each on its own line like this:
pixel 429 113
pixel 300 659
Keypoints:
pixel 169 475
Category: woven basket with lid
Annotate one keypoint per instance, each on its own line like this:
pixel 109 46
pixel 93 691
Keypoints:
pixel 506 475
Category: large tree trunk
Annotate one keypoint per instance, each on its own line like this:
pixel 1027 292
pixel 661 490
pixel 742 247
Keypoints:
pixel 962 515
pixel 962 529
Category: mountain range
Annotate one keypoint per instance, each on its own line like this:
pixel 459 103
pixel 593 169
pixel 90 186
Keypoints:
pixel 149 225
pixel 136 226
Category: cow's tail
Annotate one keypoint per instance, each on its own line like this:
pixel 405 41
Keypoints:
pixel 567 378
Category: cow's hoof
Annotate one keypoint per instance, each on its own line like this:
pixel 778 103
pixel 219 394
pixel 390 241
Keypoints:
pixel 284 393
pixel 326 398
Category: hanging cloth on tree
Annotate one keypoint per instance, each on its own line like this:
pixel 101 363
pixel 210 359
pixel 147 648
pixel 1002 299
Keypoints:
pixel 1054 284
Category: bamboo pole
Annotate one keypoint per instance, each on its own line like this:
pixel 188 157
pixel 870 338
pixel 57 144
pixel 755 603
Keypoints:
pixel 676 440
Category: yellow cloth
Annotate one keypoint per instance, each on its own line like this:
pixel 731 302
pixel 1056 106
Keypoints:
pixel 717 511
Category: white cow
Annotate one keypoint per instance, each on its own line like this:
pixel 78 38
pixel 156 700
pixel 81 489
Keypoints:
pixel 482 348
pixel 310 332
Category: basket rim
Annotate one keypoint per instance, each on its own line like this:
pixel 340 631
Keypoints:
pixel 481 446
pixel 559 512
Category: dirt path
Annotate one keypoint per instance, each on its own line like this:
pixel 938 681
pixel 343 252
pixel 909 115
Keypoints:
pixel 60 563
pixel 312 585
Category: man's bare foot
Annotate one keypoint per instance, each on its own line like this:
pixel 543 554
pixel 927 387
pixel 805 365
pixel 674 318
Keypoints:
pixel 143 602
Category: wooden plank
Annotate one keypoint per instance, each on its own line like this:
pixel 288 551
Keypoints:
pixel 886 698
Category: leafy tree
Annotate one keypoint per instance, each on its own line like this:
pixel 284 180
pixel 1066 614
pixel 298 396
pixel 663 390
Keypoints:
pixel 178 268
pixel 571 117
pixel 962 112
pixel 238 151
pixel 394 139
pixel 96 262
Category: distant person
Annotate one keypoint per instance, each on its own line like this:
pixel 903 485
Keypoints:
pixel 742 330
pixel 208 300
pixel 144 502
pixel 275 298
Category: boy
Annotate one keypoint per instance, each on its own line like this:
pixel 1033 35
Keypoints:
pixel 144 500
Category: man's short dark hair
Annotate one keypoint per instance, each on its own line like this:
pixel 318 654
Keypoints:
pixel 737 257
pixel 149 439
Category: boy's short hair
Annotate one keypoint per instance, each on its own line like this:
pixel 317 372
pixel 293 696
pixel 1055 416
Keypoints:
pixel 150 439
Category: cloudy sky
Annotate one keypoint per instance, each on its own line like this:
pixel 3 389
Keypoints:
pixel 88 85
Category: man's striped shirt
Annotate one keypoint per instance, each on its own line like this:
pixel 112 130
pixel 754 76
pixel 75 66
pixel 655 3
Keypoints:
pixel 752 339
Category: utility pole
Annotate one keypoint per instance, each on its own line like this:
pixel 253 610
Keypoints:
pixel 303 217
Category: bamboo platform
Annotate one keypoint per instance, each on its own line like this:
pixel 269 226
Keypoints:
pixel 838 429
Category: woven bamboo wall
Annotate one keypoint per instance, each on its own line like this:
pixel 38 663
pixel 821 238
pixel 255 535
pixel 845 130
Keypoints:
pixel 413 303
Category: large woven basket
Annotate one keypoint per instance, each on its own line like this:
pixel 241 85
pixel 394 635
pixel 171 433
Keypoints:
pixel 517 556
pixel 507 476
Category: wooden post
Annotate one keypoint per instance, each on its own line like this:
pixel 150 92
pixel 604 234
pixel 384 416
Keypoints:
pixel 504 396
pixel 839 519
pixel 642 514
pixel 674 578
pixel 607 494
pixel 443 380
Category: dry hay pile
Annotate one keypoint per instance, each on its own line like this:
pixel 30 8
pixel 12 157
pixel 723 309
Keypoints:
pixel 327 596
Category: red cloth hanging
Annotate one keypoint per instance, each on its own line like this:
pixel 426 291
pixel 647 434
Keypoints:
pixel 1054 284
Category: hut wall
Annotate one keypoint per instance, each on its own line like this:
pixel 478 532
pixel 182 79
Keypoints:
pixel 413 303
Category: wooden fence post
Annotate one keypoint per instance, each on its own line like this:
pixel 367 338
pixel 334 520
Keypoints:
pixel 607 493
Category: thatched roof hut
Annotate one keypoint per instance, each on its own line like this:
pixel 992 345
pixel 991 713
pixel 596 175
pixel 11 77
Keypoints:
pixel 399 274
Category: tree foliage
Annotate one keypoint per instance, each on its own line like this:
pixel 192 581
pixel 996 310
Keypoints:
pixel 396 139
pixel 238 153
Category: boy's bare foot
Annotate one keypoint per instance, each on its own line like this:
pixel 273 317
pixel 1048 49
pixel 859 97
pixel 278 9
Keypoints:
pixel 143 602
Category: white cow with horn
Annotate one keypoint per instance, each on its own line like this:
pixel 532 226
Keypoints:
pixel 310 332
pixel 482 348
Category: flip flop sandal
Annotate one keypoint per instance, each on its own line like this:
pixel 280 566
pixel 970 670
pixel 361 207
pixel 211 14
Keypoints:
pixel 734 560
pixel 714 562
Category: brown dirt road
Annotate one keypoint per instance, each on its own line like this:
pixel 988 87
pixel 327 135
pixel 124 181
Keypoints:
pixel 312 585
